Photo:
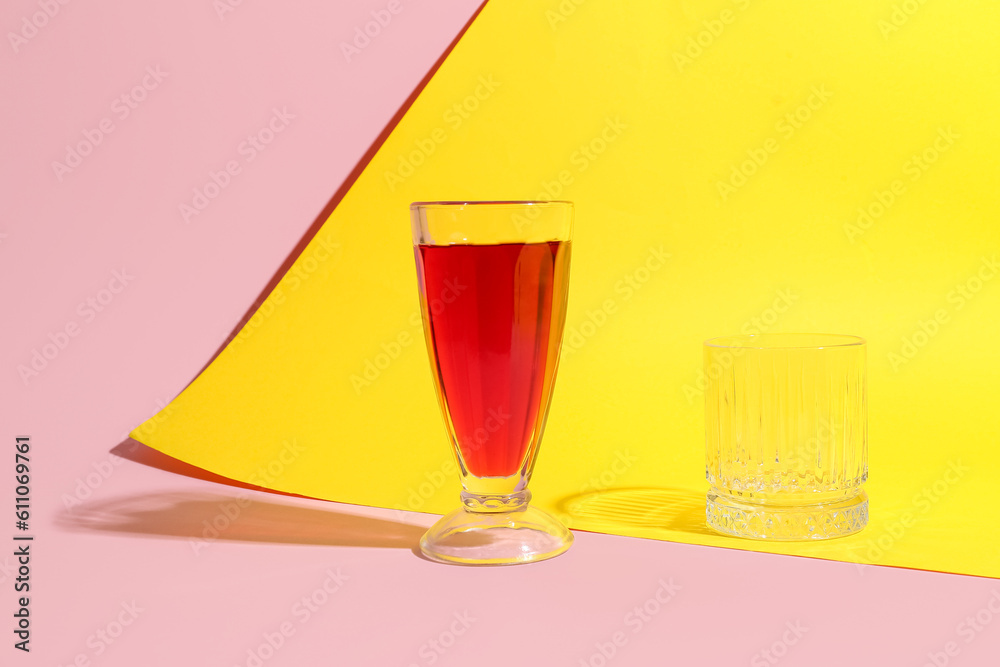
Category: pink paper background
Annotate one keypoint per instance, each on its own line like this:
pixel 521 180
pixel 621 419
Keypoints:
pixel 138 533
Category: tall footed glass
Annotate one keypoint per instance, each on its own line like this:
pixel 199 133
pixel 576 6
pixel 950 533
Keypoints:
pixel 493 280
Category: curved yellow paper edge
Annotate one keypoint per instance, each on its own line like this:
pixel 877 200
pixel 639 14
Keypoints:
pixel 775 166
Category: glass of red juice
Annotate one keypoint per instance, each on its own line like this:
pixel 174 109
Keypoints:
pixel 493 279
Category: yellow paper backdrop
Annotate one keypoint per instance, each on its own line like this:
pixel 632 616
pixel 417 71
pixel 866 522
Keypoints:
pixel 737 165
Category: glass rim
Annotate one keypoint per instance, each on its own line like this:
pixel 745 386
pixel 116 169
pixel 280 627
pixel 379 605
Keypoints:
pixel 745 341
pixel 489 202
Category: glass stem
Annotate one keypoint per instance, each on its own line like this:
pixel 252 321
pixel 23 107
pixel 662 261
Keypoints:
pixel 512 502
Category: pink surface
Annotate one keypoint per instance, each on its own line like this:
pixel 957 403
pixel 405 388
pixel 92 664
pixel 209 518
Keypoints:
pixel 145 538
pixel 124 568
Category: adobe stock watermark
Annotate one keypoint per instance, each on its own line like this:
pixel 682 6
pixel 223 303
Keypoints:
pixel 302 611
pixel 230 511
pixel 914 168
pixel 713 28
pixel 576 336
pixel 121 108
pixel 637 619
pixel 224 7
pixel 163 412
pixel 778 649
pixel 826 435
pixel 619 466
pixel 102 470
pixel 8 568
pixel 417 496
pixel 104 637
pixel 323 251
pixel 784 299
pixel 30 25
pixel 958 298
pixel 875 548
pixel 432 650
pixel 793 121
pixel 373 367
pixel 248 149
pixel 87 310
pixel 582 158
pixel 900 16
pixel 971 627
pixel 381 18
pixel 480 436
pixel 454 117
pixel 562 12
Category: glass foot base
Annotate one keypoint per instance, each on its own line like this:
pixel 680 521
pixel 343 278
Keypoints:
pixel 801 522
pixel 495 538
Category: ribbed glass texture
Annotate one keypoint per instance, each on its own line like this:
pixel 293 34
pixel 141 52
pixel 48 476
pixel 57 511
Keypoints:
pixel 786 432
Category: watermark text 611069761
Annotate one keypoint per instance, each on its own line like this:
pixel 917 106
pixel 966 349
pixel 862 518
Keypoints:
pixel 22 542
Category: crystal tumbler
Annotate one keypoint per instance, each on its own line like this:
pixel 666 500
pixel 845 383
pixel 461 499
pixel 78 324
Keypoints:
pixel 786 435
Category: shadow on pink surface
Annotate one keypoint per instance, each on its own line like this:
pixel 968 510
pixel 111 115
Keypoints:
pixel 239 516
pixel 204 518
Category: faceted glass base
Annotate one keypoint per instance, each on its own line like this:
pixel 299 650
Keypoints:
pixel 496 538
pixel 786 522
